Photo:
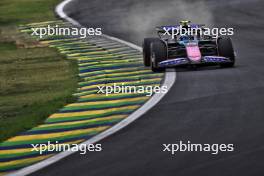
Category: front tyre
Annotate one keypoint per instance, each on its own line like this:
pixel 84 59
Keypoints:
pixel 225 49
pixel 158 54
pixel 146 50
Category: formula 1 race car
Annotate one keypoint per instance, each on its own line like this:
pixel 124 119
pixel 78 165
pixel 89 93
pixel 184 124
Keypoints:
pixel 167 51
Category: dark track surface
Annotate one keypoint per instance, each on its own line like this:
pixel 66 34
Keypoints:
pixel 207 105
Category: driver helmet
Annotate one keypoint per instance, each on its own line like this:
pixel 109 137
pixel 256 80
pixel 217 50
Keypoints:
pixel 185 23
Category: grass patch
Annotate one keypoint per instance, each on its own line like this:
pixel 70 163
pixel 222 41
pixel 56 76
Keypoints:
pixel 35 80
pixel 7 46
pixel 26 11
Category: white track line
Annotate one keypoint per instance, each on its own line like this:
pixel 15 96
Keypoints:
pixel 170 78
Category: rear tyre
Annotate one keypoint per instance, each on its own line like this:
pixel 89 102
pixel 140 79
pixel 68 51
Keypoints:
pixel 158 54
pixel 225 49
pixel 146 50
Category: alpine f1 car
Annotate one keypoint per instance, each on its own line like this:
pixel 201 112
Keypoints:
pixel 166 51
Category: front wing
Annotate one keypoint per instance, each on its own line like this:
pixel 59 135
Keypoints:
pixel 186 61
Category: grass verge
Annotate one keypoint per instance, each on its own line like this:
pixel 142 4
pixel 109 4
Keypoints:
pixel 35 80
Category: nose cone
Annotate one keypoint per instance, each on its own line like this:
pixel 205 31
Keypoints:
pixel 193 52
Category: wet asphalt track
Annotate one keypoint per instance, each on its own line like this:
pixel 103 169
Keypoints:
pixel 208 105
